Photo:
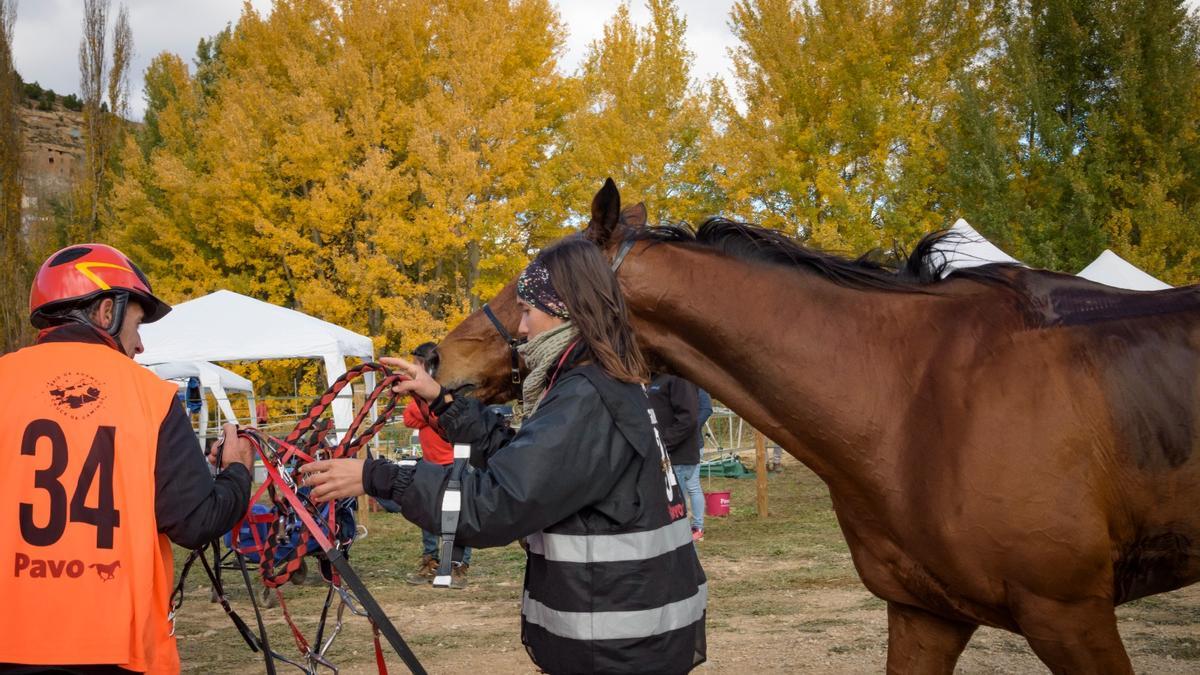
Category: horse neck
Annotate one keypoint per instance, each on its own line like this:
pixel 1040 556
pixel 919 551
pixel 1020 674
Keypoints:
pixel 823 370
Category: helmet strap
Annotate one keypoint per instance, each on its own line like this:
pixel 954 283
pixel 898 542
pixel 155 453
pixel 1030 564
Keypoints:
pixel 120 303
pixel 113 330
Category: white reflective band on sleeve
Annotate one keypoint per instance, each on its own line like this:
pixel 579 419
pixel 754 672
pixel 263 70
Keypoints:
pixel 452 500
pixel 536 544
pixel 617 625
pixel 462 451
pixel 441 581
pixel 585 548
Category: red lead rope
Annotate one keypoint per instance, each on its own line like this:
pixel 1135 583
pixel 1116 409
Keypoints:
pixel 294 511
pixel 282 460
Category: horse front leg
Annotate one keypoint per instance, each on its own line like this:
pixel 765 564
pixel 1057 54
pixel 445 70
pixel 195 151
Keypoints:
pixel 921 642
pixel 1078 637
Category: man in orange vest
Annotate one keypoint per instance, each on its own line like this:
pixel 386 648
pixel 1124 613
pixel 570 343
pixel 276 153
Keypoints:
pixel 99 472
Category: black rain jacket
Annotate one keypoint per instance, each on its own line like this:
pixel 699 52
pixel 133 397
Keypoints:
pixel 613 583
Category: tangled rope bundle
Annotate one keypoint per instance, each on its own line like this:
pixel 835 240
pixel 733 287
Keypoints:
pixel 293 513
pixel 307 442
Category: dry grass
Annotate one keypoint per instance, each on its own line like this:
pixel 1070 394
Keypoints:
pixel 785 599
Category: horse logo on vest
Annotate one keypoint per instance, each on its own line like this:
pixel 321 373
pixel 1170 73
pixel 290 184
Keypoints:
pixel 75 395
pixel 106 572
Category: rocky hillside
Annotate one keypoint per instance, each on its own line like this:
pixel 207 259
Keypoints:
pixel 53 150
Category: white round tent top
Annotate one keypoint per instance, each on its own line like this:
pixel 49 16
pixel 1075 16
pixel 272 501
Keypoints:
pixel 209 374
pixel 1111 269
pixel 964 247
pixel 227 326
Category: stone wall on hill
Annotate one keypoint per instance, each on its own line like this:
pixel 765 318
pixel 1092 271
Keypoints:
pixel 53 151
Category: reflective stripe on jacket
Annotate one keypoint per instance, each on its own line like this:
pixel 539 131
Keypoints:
pixel 86 574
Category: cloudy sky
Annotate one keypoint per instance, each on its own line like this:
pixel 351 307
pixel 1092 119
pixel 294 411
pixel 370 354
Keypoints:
pixel 47 32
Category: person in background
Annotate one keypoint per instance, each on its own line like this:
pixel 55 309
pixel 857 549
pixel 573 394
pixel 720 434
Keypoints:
pixel 435 450
pixel 705 412
pixel 775 459
pixel 99 473
pixel 676 404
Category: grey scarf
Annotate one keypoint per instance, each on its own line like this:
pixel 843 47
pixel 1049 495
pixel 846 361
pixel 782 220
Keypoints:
pixel 541 355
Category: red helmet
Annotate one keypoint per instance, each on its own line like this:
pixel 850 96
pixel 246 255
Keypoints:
pixel 78 274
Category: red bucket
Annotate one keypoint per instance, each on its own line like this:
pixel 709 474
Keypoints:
pixel 716 503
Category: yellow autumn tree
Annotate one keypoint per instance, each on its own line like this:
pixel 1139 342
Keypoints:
pixel 639 118
pixel 481 136
pixel 837 141
pixel 362 161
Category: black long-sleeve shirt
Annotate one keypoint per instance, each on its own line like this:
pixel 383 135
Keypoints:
pixel 192 508
pixel 676 404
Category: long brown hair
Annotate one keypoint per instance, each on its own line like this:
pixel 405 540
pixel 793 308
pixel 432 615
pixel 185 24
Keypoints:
pixel 582 278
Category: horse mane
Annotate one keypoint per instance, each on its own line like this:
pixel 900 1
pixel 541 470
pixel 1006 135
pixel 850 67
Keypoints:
pixel 1045 298
pixel 924 266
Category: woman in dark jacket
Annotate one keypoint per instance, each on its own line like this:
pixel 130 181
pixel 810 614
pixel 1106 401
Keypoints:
pixel 612 583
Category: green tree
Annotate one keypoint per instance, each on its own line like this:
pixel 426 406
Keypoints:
pixel 102 72
pixel 1080 133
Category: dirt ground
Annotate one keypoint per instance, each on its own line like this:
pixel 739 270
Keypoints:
pixel 784 599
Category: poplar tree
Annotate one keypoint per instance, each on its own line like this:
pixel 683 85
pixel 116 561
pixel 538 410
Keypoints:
pixel 1080 133
pixel 15 273
pixel 640 119
pixel 838 139
pixel 101 72
pixel 365 162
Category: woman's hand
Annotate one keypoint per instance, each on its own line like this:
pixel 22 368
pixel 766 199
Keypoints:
pixel 332 479
pixel 419 382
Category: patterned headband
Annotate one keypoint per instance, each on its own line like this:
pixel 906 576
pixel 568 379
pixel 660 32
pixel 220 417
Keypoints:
pixel 535 288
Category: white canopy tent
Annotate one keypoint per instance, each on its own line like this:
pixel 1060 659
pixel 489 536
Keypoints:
pixel 227 326
pixel 215 379
pixel 965 247
pixel 1111 269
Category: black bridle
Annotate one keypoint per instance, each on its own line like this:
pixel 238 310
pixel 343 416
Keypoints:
pixel 513 354
pixel 626 247
pixel 514 343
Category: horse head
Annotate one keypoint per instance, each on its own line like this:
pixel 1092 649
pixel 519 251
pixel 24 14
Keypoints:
pixel 478 356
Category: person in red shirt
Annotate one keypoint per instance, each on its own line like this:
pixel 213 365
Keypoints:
pixel 436 450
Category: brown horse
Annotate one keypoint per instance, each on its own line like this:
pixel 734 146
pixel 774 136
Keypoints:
pixel 1007 447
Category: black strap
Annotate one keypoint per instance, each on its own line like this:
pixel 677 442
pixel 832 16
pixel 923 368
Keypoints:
pixel 374 611
pixel 626 247
pixel 451 507
pixel 514 357
pixel 487 310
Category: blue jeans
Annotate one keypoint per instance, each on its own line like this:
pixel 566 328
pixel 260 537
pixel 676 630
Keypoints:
pixel 688 476
pixel 431 541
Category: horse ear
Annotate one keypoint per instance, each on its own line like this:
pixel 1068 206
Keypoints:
pixel 606 213
pixel 634 216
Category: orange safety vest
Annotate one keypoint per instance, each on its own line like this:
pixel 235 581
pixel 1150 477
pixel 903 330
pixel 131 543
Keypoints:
pixel 85 575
